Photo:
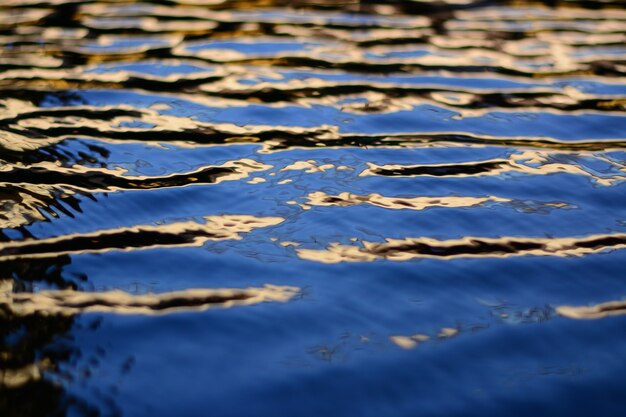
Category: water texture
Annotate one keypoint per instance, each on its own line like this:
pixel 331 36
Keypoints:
pixel 312 208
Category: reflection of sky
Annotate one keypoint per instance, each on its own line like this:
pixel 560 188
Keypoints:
pixel 422 118
pixel 604 50
pixel 470 82
pixel 583 85
pixel 117 44
pixel 407 54
pixel 254 48
pixel 151 68
pixel 356 19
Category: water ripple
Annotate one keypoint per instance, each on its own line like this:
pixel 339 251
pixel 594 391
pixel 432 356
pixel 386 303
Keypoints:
pixel 405 174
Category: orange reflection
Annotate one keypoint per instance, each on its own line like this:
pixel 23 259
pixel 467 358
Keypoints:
pixel 467 247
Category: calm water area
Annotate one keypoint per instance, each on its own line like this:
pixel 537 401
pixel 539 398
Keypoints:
pixel 334 208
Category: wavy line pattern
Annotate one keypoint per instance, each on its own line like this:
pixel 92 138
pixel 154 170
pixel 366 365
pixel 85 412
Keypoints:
pixel 154 153
pixel 69 302
pixel 402 250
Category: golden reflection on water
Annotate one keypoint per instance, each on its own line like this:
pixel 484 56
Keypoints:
pixel 612 308
pixel 15 378
pixel 467 247
pixel 181 234
pixel 409 342
pixel 529 162
pixel 70 302
pixel 23 206
pixel 397 203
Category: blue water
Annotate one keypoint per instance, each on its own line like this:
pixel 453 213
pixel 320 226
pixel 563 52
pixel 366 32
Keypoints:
pixel 306 209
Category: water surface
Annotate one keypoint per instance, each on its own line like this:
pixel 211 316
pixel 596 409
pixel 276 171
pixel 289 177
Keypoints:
pixel 334 208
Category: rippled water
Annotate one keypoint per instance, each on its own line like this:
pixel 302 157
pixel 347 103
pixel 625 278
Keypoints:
pixel 298 208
